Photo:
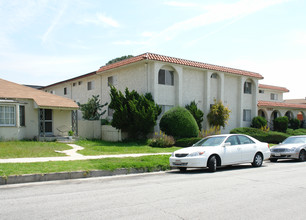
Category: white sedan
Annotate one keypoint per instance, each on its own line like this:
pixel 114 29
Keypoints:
pixel 221 150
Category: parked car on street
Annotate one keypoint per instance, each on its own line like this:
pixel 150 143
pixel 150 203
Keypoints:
pixel 293 147
pixel 221 150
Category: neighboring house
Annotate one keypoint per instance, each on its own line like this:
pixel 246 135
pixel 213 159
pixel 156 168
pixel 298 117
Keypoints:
pixel 272 105
pixel 172 82
pixel 27 113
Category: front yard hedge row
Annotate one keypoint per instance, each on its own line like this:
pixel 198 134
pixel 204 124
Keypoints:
pixel 187 142
pixel 272 137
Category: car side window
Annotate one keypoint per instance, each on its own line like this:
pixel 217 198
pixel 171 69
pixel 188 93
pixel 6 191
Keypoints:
pixel 245 140
pixel 233 140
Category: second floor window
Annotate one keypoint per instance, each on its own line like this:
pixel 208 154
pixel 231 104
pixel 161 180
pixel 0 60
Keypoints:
pixel 274 96
pixel 65 91
pixel 247 88
pixel 90 85
pixel 165 77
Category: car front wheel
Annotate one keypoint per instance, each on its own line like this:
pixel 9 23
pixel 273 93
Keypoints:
pixel 302 156
pixel 273 159
pixel 258 159
pixel 212 164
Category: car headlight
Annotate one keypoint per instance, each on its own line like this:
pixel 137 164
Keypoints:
pixel 195 154
pixel 292 149
pixel 173 154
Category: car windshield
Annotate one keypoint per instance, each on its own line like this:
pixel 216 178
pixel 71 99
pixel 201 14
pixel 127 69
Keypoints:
pixel 210 141
pixel 295 140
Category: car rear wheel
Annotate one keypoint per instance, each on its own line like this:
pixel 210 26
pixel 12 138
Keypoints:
pixel 273 159
pixel 258 159
pixel 302 156
pixel 212 164
pixel 183 169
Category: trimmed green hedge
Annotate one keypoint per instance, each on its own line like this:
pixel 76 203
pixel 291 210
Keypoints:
pixel 187 142
pixel 301 131
pixel 272 137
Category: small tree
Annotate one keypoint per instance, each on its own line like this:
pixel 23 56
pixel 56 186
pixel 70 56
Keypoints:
pixel 92 109
pixel 134 113
pixel 218 115
pixel 196 113
pixel 281 124
pixel 118 59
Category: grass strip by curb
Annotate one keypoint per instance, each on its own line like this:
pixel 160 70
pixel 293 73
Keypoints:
pixel 145 162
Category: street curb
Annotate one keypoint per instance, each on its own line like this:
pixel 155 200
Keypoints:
pixel 29 178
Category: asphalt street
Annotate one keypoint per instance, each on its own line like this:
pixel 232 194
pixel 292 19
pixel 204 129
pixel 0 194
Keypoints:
pixel 274 191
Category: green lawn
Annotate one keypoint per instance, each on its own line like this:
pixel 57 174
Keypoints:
pixel 150 162
pixel 98 147
pixel 21 149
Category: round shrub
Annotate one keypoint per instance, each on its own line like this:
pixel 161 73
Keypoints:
pixel 259 122
pixel 179 123
pixel 281 124
pixel 294 123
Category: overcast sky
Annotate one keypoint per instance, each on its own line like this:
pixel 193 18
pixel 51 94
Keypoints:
pixel 46 41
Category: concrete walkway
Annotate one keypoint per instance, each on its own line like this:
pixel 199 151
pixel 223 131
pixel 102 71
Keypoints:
pixel 73 155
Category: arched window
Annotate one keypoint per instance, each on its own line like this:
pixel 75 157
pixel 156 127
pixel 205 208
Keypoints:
pixel 247 88
pixel 166 77
pixel 214 76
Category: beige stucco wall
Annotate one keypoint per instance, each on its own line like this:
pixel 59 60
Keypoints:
pixel 90 129
pixel 189 84
pixel 30 130
pixel 266 96
pixel 31 126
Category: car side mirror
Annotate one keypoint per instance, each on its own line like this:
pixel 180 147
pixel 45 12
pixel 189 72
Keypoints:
pixel 226 144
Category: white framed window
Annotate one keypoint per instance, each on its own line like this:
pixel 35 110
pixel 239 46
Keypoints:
pixel 166 77
pixel 261 91
pixel 80 83
pixel 90 85
pixel 73 84
pixel 247 88
pixel 65 91
pixel 7 115
pixel 247 115
pixel 274 96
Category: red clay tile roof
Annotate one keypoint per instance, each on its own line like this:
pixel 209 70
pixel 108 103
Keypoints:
pixel 281 104
pixel 10 90
pixel 156 57
pixel 283 89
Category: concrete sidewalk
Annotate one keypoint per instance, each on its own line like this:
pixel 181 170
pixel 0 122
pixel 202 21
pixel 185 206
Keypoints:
pixel 73 155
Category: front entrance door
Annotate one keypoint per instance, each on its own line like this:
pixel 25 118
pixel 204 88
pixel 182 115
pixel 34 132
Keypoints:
pixel 46 122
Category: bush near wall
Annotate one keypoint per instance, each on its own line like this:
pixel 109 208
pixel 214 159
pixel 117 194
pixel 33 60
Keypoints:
pixel 269 137
pixel 258 122
pixel 187 142
pixel 301 131
pixel 281 124
pixel 179 123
